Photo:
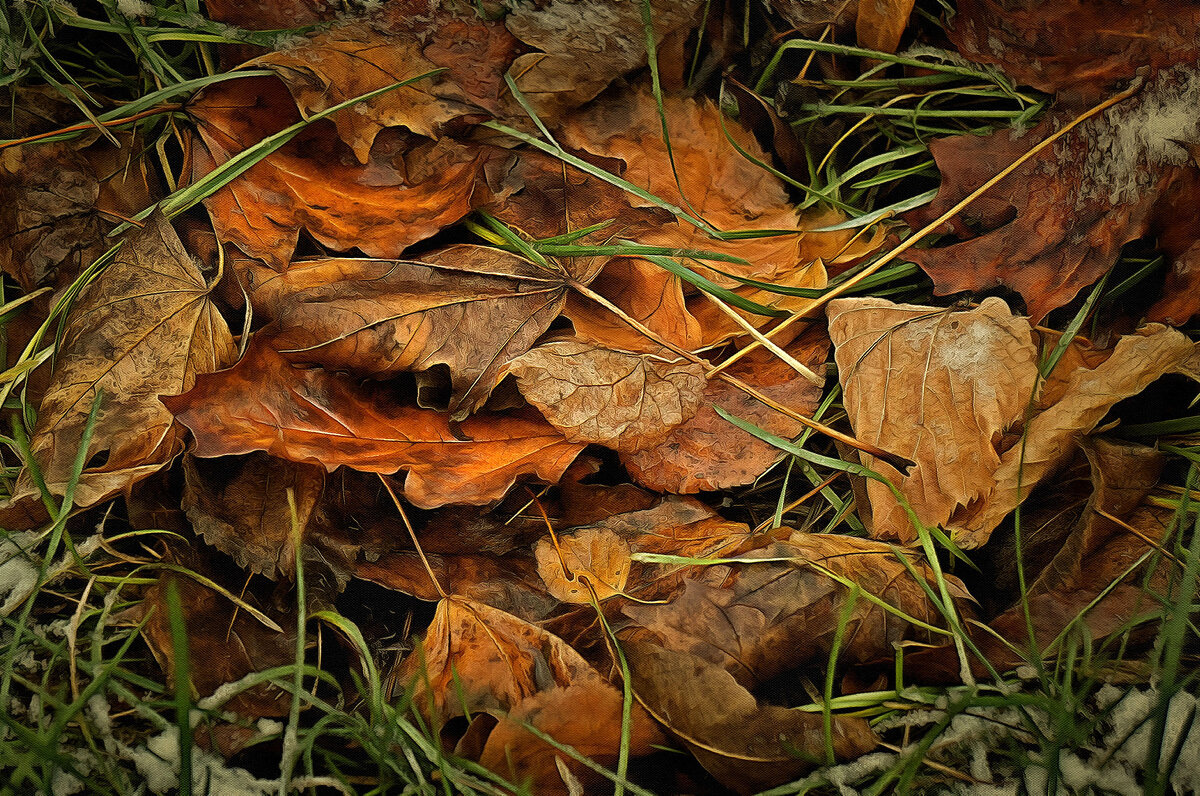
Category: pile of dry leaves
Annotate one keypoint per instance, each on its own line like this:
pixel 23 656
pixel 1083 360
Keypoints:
pixel 391 404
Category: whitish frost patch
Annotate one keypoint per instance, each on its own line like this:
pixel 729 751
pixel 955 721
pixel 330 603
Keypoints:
pixel 158 762
pixel 18 575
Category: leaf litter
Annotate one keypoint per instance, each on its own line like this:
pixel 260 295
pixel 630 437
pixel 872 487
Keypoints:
pixel 543 401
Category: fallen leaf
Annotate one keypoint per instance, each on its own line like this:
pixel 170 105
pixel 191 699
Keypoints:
pixel 590 557
pixel 584 715
pixel 312 415
pixel 585 46
pixel 143 328
pixel 881 23
pixel 708 452
pixel 1081 46
pixel 622 400
pixel 225 641
pixel 745 745
pixel 1057 223
pixel 241 508
pixel 760 618
pixel 1136 360
pixel 471 308
pixel 406 192
pixel 357 57
pixel 940 387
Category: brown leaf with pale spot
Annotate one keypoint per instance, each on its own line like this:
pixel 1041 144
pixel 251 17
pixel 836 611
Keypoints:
pixel 622 400
pixel 471 308
pixel 747 746
pixel 406 191
pixel 312 415
pixel 940 387
pixel 589 556
pixel 144 327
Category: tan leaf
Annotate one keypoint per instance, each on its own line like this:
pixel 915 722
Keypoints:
pixel 594 555
pixel 593 394
pixel 311 415
pixel 881 23
pixel 144 328
pixel 471 308
pixel 1137 360
pixel 745 745
pixel 708 452
pixel 406 192
pixel 937 386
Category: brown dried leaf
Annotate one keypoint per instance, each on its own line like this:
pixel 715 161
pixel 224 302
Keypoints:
pixel 585 46
pixel 708 452
pixel 1057 223
pixel 940 387
pixel 241 508
pixel 471 308
pixel 745 745
pixel 407 190
pixel 625 401
pixel 881 23
pixel 759 618
pixel 144 328
pixel 589 556
pixel 312 415
pixel 357 57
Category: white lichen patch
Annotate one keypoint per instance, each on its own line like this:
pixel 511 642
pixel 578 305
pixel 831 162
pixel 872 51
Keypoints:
pixel 1128 145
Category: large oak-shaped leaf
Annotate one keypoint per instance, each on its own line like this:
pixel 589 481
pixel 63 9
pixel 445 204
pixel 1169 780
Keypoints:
pixel 1058 222
pixel 592 394
pixel 312 415
pixel 143 328
pixel 937 386
pixel 359 57
pixel 406 191
pixel 745 745
pixel 468 307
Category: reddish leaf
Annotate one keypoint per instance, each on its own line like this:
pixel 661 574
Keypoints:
pixel 312 415
pixel 407 190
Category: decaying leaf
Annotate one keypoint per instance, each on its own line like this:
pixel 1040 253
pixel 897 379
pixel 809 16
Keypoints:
pixel 759 618
pixel 745 745
pixel 585 46
pixel 405 192
pixel 940 387
pixel 592 394
pixel 881 23
pixel 143 328
pixel 241 508
pixel 595 555
pixel 944 387
pixel 312 415
pixel 1057 223
pixel 470 308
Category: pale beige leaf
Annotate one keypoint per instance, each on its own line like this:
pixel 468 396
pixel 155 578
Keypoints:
pixel 626 401
pixel 1137 360
pixel 940 387
pixel 595 555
